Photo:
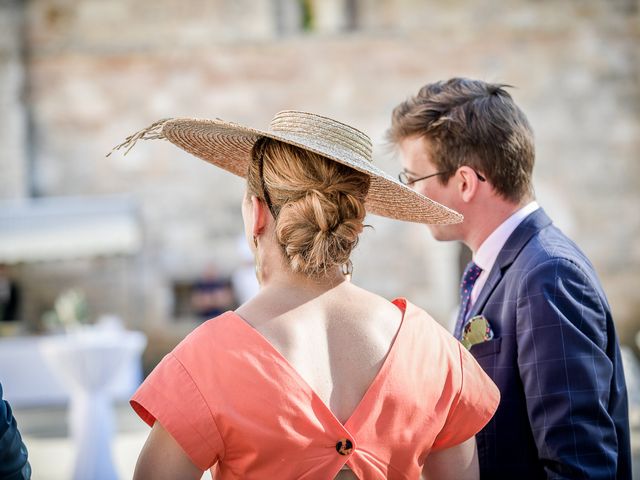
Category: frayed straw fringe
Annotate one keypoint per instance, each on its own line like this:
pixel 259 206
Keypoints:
pixel 152 132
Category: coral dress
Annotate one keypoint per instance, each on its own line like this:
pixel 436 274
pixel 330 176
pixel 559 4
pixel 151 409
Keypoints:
pixel 235 405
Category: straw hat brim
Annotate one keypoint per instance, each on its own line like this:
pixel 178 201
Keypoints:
pixel 228 146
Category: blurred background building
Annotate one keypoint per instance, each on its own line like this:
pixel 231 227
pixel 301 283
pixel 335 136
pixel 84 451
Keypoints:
pixel 144 235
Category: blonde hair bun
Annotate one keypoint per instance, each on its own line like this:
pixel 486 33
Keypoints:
pixel 319 204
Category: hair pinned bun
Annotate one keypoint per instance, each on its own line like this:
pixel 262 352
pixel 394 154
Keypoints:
pixel 320 204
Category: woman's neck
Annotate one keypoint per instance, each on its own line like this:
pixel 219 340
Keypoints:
pixel 282 291
pixel 284 279
pixel 274 272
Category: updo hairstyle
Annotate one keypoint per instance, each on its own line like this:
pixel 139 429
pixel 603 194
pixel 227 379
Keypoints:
pixel 318 204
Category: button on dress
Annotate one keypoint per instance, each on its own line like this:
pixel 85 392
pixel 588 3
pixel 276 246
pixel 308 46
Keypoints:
pixel 236 406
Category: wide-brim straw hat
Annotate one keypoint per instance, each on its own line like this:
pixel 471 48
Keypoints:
pixel 228 145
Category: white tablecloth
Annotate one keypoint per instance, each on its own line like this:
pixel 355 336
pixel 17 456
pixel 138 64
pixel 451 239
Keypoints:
pixel 29 381
pixel 87 362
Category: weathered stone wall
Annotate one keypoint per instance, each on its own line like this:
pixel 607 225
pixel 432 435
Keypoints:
pixel 100 70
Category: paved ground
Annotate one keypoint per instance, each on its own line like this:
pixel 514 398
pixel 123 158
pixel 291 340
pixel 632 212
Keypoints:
pixel 52 454
pixel 51 451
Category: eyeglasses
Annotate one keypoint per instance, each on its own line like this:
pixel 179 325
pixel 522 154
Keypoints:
pixel 405 177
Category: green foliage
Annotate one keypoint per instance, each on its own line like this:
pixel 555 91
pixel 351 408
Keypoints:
pixel 306 6
pixel 70 311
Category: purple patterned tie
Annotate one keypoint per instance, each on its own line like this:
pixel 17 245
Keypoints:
pixel 471 274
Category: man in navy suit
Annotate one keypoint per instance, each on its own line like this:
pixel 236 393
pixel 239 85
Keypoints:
pixel 551 345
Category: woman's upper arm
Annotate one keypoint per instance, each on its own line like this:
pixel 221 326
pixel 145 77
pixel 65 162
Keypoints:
pixel 170 397
pixel 163 458
pixel 459 462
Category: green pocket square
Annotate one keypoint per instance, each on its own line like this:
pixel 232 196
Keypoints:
pixel 476 330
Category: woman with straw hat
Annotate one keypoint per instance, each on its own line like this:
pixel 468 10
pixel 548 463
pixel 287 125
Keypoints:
pixel 313 378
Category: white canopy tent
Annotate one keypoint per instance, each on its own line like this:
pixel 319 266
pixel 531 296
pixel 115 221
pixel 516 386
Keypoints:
pixel 65 228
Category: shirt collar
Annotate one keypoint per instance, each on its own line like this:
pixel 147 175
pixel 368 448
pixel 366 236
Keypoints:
pixel 488 252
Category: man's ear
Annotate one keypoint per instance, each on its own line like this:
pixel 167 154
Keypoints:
pixel 468 183
pixel 260 213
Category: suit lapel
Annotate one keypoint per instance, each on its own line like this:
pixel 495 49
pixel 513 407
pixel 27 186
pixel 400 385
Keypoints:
pixel 530 226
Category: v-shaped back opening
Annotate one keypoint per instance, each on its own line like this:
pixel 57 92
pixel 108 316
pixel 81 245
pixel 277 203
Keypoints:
pixel 400 303
pixel 345 473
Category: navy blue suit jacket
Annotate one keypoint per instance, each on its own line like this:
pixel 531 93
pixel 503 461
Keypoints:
pixel 13 453
pixel 556 360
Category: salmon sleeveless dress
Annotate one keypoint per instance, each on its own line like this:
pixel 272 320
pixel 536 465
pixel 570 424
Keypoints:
pixel 237 407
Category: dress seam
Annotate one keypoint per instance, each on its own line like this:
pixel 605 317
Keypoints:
pixel 213 418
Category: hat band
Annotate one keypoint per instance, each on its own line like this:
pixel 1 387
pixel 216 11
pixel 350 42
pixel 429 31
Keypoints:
pixel 327 133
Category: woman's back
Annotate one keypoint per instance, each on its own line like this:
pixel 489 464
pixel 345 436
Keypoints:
pixel 336 342
pixel 232 401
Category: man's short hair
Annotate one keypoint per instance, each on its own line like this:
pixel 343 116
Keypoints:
pixel 474 123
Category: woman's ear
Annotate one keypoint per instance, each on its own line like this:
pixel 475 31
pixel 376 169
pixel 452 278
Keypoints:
pixel 260 213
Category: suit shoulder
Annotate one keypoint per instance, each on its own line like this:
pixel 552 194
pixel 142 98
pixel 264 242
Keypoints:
pixel 552 256
pixel 554 266
pixel 550 247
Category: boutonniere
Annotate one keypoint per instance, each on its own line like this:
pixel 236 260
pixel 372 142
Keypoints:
pixel 477 330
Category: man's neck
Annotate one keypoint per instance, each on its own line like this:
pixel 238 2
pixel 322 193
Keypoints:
pixel 487 217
